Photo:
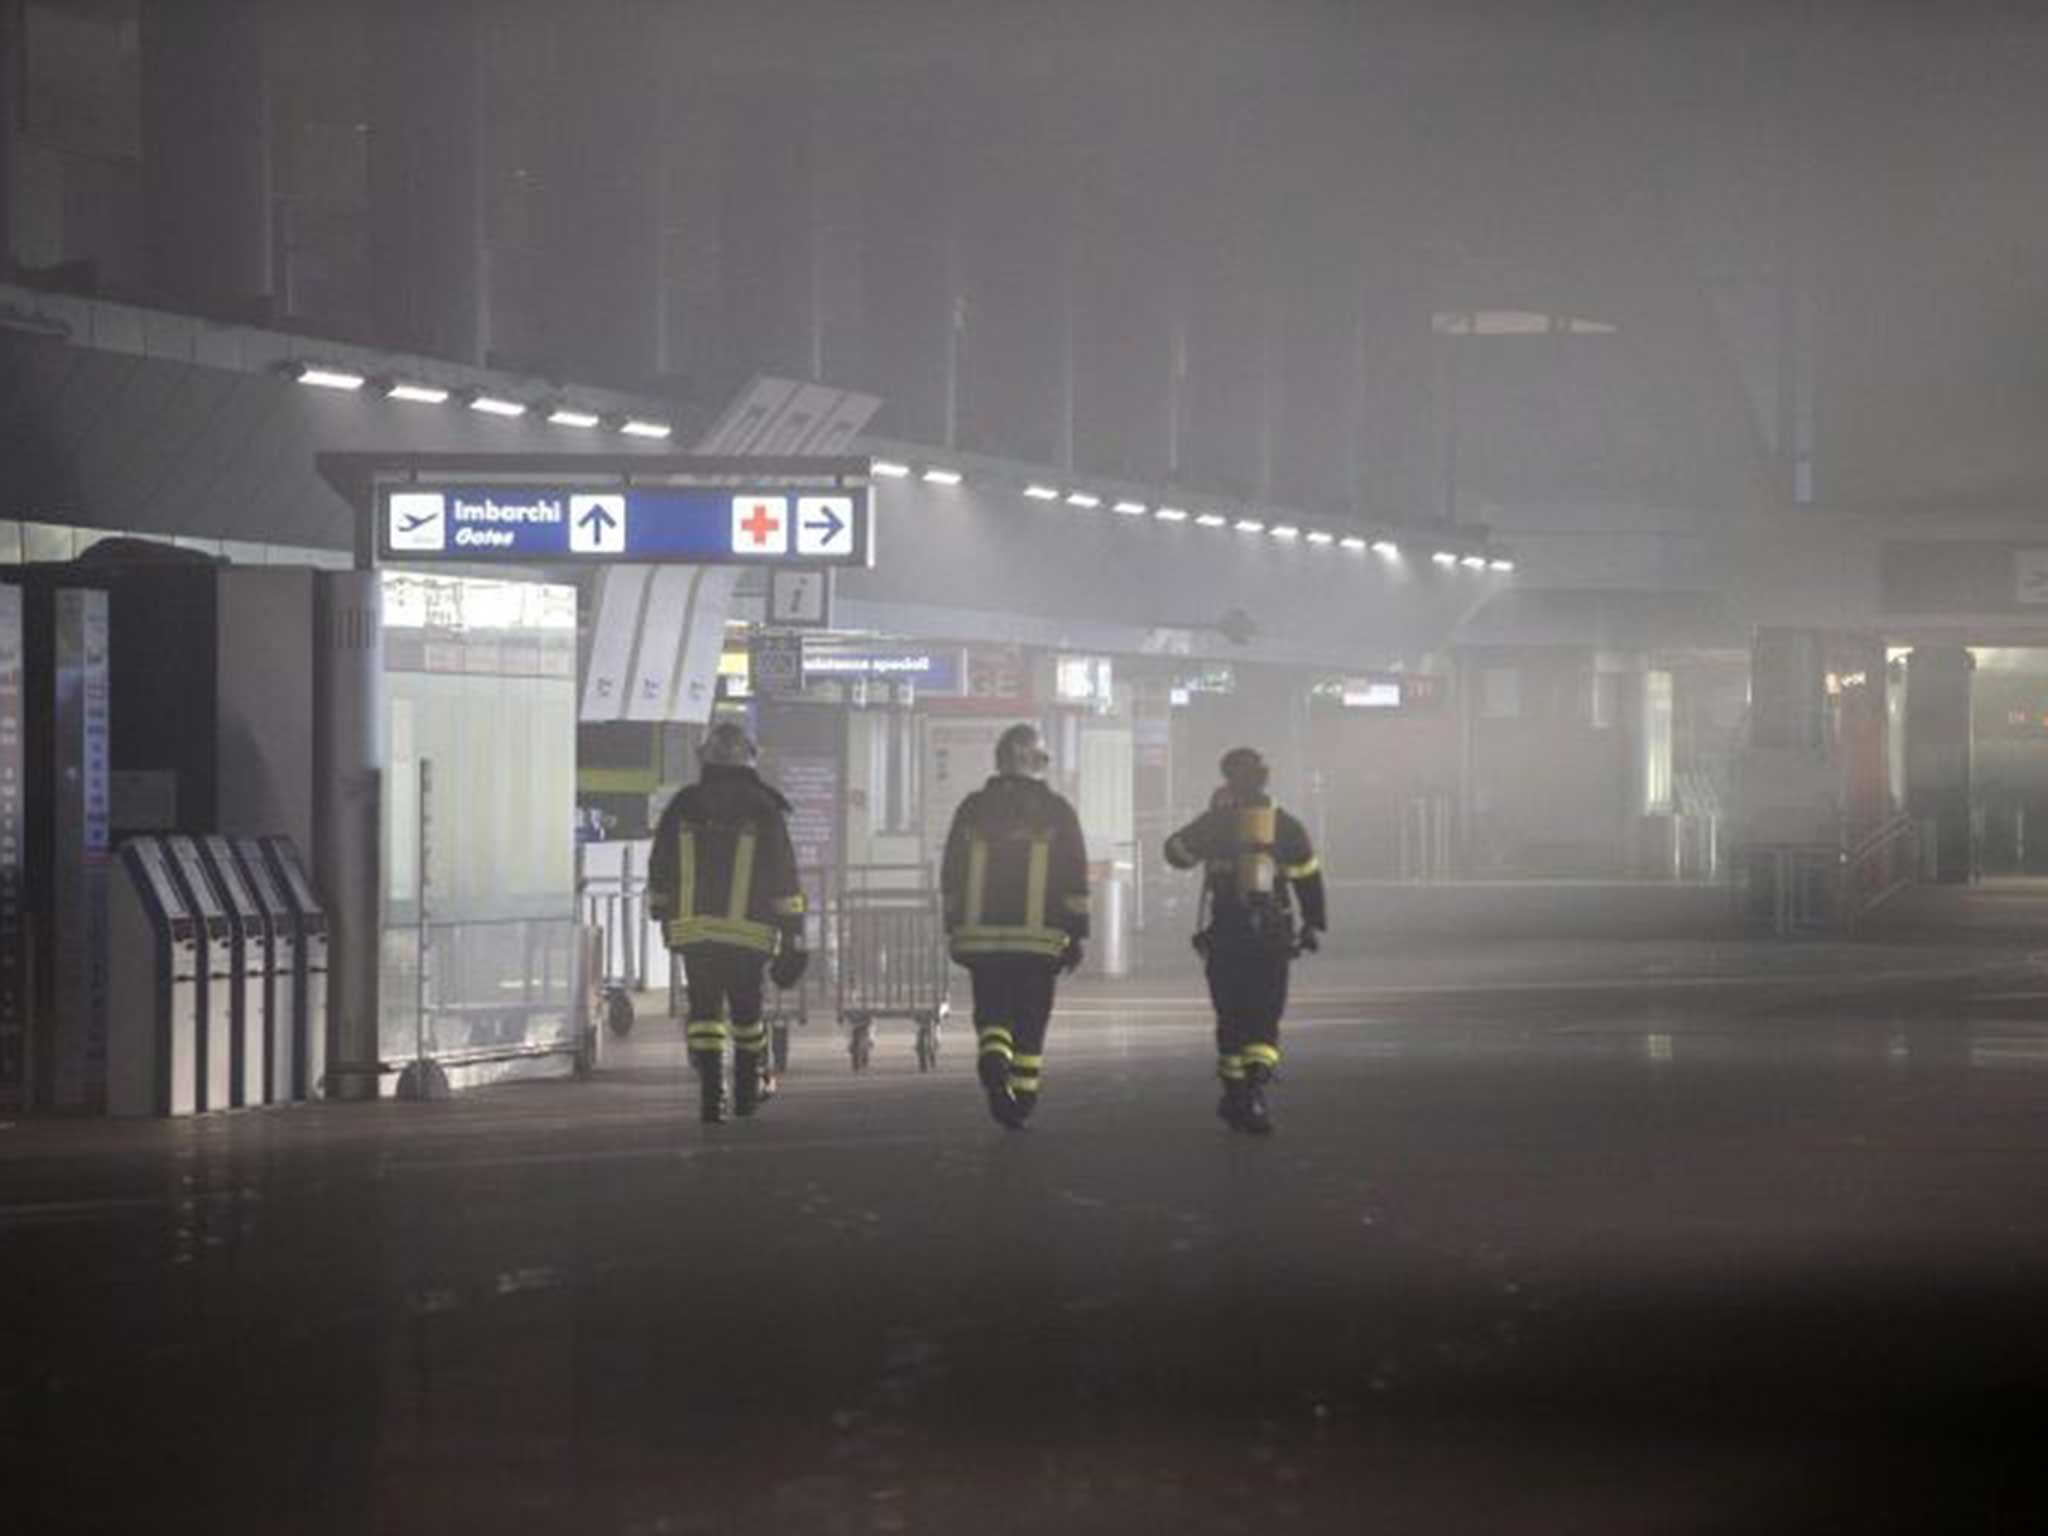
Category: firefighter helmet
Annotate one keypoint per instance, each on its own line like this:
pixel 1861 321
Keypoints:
pixel 727 745
pixel 1020 751
pixel 1245 771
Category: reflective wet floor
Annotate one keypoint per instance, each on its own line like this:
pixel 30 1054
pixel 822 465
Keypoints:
pixel 1664 1242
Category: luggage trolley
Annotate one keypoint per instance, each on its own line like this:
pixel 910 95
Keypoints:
pixel 889 946
pixel 613 907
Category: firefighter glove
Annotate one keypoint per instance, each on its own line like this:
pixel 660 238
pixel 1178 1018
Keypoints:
pixel 787 968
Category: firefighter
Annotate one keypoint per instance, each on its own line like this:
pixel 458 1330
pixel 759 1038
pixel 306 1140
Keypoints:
pixel 722 881
pixel 1015 880
pixel 1259 868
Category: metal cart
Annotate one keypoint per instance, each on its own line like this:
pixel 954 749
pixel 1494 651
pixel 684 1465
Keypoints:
pixel 888 948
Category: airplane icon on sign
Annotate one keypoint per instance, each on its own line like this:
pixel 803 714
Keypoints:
pixel 417 520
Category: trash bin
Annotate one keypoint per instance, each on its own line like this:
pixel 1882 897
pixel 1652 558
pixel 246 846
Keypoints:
pixel 1113 922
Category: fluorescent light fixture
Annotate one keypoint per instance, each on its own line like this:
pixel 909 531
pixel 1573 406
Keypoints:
pixel 492 405
pixel 1083 500
pixel 1501 565
pixel 1385 547
pixel 1474 562
pixel 889 469
pixel 1171 514
pixel 1444 557
pixel 1285 531
pixel 1353 543
pixel 1250 525
pixel 328 378
pixel 416 394
pixel 637 426
pixel 937 476
pixel 569 416
pixel 1132 508
pixel 1317 536
pixel 1042 492
pixel 1211 520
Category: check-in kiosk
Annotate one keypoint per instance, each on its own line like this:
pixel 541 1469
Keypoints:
pixel 152 987
pixel 280 970
pixel 216 972
pixel 309 980
pixel 248 962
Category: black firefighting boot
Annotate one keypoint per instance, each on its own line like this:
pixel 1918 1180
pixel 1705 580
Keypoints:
pixel 710 1069
pixel 1230 1108
pixel 746 1083
pixel 1252 1116
pixel 993 1069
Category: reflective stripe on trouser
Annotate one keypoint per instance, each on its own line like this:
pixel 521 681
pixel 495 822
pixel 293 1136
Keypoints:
pixel 750 1037
pixel 998 1042
pixel 707 1034
pixel 1230 1066
pixel 1258 1053
pixel 1024 1073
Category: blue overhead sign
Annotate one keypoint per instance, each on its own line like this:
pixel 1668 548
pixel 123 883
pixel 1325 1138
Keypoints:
pixel 485 523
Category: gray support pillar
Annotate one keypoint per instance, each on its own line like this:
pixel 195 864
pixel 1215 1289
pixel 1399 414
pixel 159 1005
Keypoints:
pixel 15 1001
pixel 429 282
pixel 348 783
pixel 599 242
pixel 1787 689
pixel 10 114
pixel 1938 757
pixel 206 176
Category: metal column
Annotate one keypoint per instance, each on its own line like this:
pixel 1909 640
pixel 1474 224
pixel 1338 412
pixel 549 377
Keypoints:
pixel 348 794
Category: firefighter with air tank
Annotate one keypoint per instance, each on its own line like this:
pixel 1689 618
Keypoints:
pixel 1015 883
pixel 1258 868
pixel 722 881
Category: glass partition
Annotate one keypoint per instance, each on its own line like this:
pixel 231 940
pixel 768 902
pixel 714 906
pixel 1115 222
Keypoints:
pixel 480 684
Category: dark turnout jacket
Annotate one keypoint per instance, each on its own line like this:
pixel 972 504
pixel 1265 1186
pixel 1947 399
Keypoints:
pixel 723 870
pixel 1015 875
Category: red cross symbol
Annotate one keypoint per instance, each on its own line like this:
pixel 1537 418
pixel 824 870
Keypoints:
pixel 758 524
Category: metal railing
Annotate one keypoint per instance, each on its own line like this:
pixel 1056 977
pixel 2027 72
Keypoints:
pixel 1883 863
pixel 1820 887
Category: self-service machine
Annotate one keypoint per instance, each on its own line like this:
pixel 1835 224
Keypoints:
pixel 309 979
pixel 248 964
pixel 280 971
pixel 153 982
pixel 216 972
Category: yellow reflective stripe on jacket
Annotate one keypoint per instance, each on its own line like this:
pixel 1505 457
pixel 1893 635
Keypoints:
pixel 977 880
pixel 686 871
pixel 1037 876
pixel 683 931
pixel 1079 906
pixel 742 891
pixel 791 906
pixel 993 940
pixel 1309 866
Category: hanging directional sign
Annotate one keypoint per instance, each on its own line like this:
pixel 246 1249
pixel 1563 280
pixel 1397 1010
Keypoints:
pixel 483 522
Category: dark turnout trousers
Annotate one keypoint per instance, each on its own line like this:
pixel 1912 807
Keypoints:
pixel 1013 996
pixel 725 1003
pixel 1248 986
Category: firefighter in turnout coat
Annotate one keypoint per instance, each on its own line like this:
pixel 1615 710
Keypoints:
pixel 1015 880
pixel 722 881
pixel 1258 869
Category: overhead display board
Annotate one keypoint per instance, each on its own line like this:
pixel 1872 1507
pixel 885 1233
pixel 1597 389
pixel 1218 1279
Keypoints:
pixel 481 523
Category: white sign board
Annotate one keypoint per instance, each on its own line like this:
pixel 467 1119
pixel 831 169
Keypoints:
pixel 2030 577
